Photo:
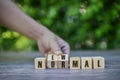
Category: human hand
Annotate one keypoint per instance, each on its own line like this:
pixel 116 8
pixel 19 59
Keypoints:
pixel 50 42
pixel 13 18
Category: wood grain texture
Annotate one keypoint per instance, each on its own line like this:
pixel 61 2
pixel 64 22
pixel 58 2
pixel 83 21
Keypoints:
pixel 20 66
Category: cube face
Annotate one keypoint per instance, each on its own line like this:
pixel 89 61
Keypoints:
pixel 51 57
pixel 86 62
pixel 74 63
pixel 57 61
pixel 98 63
pixel 63 57
pixel 52 64
pixel 63 64
pixel 40 63
pixel 63 61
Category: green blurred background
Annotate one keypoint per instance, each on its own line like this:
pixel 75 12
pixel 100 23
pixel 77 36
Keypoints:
pixel 84 24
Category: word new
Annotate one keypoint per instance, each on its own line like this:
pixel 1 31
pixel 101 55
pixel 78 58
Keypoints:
pixel 62 61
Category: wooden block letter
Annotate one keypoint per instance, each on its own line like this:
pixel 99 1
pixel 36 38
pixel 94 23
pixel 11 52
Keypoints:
pixel 63 61
pixel 40 63
pixel 52 61
pixel 63 57
pixel 74 62
pixel 98 63
pixel 86 62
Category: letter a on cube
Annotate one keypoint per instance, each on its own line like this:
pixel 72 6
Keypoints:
pixel 86 62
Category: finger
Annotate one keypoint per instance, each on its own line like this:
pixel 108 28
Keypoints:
pixel 55 47
pixel 64 46
pixel 67 52
pixel 43 49
pixel 65 49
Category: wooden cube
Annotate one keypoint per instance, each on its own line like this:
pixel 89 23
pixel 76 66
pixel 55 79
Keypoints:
pixel 63 61
pixel 52 61
pixel 86 62
pixel 74 62
pixel 98 62
pixel 63 57
pixel 52 57
pixel 40 63
pixel 63 64
pixel 52 64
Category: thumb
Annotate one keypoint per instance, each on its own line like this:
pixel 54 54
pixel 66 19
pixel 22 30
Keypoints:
pixel 55 47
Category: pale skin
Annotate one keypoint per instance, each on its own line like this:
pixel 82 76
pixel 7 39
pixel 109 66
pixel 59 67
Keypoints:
pixel 13 18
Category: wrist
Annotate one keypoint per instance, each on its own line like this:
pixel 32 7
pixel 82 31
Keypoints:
pixel 41 32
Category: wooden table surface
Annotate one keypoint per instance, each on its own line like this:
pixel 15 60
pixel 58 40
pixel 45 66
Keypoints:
pixel 20 66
